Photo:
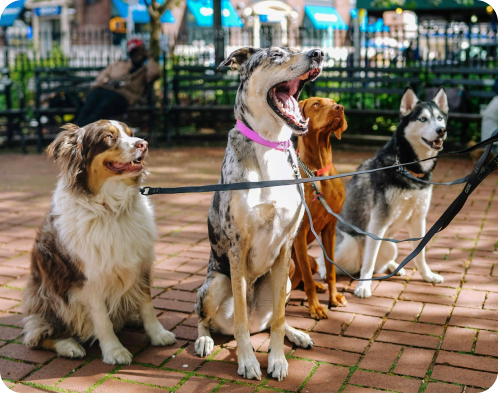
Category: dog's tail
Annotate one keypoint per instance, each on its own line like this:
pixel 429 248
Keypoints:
pixel 322 270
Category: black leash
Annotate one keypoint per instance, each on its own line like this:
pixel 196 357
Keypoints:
pixel 475 178
pixel 276 183
pixel 322 200
pixel 479 173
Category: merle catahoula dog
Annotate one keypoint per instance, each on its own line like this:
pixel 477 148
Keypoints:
pixel 383 202
pixel 251 231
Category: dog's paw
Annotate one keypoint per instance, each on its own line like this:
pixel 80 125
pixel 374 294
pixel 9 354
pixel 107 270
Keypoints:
pixel 338 301
pixel 318 312
pixel 392 266
pixel 249 367
pixel 320 288
pixel 118 355
pixel 363 291
pixel 204 346
pixel 433 277
pixel 278 367
pixel 164 337
pixel 69 349
pixel 301 339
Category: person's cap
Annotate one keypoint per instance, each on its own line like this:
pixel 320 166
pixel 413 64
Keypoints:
pixel 134 43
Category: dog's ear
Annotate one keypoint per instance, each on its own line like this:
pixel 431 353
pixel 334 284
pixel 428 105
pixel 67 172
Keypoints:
pixel 67 152
pixel 441 100
pixel 408 101
pixel 238 57
pixel 338 133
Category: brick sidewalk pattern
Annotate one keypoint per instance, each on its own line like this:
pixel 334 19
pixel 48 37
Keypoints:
pixel 410 336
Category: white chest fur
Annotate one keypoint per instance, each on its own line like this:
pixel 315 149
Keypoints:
pixel 271 214
pixel 111 234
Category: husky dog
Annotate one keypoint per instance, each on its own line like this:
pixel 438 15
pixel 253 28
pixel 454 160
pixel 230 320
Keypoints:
pixel 383 202
pixel 251 231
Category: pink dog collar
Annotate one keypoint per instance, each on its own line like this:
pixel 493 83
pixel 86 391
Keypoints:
pixel 258 139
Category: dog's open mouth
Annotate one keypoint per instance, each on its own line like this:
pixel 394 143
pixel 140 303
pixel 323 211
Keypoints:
pixel 436 144
pixel 133 166
pixel 283 98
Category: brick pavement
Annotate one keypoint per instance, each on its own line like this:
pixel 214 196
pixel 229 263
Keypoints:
pixel 410 336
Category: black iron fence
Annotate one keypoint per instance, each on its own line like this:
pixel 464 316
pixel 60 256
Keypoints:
pixel 460 56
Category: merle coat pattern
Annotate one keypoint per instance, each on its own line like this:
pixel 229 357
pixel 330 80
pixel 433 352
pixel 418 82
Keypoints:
pixel 251 231
pixel 382 202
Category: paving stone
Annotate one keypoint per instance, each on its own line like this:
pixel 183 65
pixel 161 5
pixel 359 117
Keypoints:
pixel 22 352
pixel 358 389
pixel 328 355
pixel 113 386
pixel 199 385
pixel 335 342
pixel 391 382
pixel 173 305
pixel 413 327
pixel 380 357
pixel 463 376
pixel 8 333
pixel 439 387
pixel 414 362
pixel 54 371
pixel 416 340
pixel 14 370
pixel 326 378
pixel 363 327
pixel 435 313
pixel 407 311
pixel 233 388
pixel 158 355
pixel 492 301
pixel 458 339
pixel 28 389
pixel 186 332
pixel 149 375
pixel 298 372
pixel 467 361
pixel 473 299
pixel 187 360
pixel 335 322
pixel 487 343
pixel 86 376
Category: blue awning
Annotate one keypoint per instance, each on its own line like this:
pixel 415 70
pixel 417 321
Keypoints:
pixel 203 13
pixel 140 12
pixel 325 17
pixel 11 13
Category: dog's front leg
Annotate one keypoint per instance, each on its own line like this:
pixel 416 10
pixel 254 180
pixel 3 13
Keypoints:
pixel 417 227
pixel 113 351
pixel 277 364
pixel 317 311
pixel 248 364
pixel 328 238
pixel 157 333
pixel 370 253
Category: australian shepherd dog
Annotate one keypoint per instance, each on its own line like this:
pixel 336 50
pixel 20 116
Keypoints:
pixel 92 258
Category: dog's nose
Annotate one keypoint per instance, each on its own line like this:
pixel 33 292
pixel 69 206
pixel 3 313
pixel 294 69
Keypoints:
pixel 315 54
pixel 339 108
pixel 441 131
pixel 141 145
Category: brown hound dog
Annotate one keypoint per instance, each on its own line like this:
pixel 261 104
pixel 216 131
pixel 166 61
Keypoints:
pixel 315 150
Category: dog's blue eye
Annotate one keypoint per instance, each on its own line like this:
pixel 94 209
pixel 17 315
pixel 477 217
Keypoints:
pixel 439 118
pixel 423 119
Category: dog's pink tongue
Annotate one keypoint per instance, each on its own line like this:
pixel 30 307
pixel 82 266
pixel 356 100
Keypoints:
pixel 117 165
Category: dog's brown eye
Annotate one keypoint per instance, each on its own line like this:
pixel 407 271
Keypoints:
pixel 316 104
pixel 108 136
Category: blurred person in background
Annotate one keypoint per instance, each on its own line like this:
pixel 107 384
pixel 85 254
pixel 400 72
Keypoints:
pixel 121 84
